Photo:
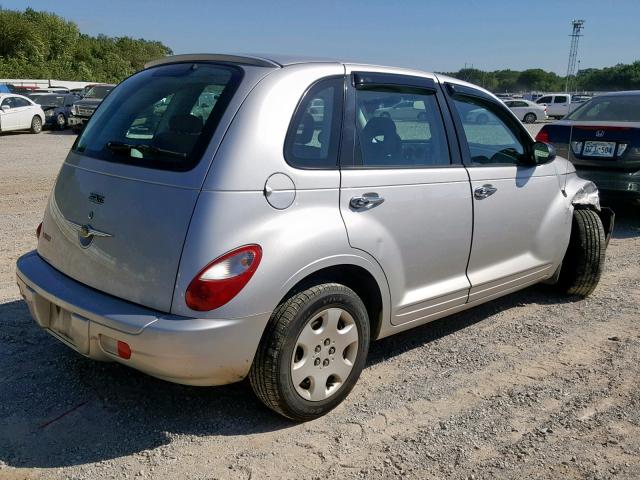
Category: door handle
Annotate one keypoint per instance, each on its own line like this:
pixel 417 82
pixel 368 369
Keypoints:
pixel 367 200
pixel 484 191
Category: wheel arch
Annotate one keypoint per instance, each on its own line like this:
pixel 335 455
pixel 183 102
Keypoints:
pixel 363 276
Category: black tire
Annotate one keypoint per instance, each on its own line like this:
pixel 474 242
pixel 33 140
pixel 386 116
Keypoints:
pixel 61 121
pixel 584 261
pixel 270 374
pixel 36 124
pixel 530 118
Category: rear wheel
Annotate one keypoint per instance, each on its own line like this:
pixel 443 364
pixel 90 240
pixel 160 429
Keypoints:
pixel 312 352
pixel 530 118
pixel 584 260
pixel 36 124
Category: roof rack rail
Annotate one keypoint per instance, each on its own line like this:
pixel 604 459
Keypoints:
pixel 214 57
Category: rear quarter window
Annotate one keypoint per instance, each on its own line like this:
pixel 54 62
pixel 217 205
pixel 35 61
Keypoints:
pixel 163 117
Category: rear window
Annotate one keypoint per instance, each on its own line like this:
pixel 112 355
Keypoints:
pixel 623 108
pixel 161 118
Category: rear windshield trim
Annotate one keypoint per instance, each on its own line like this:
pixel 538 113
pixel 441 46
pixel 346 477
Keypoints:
pixel 212 123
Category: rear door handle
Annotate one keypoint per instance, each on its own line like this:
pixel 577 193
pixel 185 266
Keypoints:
pixel 484 191
pixel 367 200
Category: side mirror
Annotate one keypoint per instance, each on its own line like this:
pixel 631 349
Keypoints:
pixel 5 108
pixel 543 153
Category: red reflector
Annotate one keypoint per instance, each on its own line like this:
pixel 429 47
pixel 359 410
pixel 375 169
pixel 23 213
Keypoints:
pixel 222 279
pixel 542 136
pixel 39 230
pixel 124 350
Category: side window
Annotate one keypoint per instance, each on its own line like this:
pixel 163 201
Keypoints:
pixel 490 134
pixel 314 133
pixel 399 129
pixel 20 102
pixel 546 99
pixel 520 104
pixel 560 99
pixel 7 102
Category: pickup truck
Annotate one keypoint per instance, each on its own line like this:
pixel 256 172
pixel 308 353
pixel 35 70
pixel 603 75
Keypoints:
pixel 560 104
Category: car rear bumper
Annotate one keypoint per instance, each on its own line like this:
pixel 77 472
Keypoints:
pixel 627 183
pixel 190 351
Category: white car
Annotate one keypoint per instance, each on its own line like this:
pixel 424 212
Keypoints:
pixel 526 111
pixel 558 104
pixel 20 113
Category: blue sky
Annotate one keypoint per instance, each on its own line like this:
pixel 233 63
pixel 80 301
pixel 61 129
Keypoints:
pixel 438 35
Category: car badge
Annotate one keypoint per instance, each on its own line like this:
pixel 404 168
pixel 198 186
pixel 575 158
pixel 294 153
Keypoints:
pixel 86 233
pixel 599 133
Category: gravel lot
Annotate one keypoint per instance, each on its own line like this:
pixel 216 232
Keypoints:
pixel 534 385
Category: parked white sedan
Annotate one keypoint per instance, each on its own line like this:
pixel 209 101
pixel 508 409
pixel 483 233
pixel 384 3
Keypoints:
pixel 526 111
pixel 20 113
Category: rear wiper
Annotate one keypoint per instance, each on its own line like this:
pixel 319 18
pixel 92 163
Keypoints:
pixel 121 147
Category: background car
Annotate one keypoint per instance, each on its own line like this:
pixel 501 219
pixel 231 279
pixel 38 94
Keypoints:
pixel 405 110
pixel 56 107
pixel 526 111
pixel 602 140
pixel 83 109
pixel 20 113
pixel 558 104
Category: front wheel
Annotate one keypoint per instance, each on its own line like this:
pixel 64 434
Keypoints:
pixel 61 122
pixel 584 261
pixel 312 352
pixel 36 124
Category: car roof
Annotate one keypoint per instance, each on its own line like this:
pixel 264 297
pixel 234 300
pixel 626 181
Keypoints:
pixel 4 95
pixel 281 61
pixel 621 94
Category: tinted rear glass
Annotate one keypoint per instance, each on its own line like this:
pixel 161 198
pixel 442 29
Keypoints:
pixel 163 117
pixel 49 100
pixel 623 108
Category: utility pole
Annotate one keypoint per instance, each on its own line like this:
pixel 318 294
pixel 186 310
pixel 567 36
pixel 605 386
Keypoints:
pixel 578 25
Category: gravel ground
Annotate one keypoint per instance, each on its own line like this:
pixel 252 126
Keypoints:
pixel 533 385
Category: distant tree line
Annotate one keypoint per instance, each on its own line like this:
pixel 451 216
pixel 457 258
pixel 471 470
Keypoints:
pixel 619 77
pixel 44 45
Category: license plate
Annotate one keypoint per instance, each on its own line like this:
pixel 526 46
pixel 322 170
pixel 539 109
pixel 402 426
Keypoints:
pixel 599 149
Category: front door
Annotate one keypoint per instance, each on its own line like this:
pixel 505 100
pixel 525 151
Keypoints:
pixel 8 121
pixel 520 215
pixel 404 199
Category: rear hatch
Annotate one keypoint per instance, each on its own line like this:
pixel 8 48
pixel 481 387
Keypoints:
pixel 121 206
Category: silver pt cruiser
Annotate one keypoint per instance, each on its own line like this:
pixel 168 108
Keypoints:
pixel 224 217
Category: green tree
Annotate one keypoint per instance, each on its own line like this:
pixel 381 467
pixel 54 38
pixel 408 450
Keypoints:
pixel 43 45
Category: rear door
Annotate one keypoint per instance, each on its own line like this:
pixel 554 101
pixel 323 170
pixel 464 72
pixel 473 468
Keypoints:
pixel 521 223
pixel 25 112
pixel 405 196
pixel 123 200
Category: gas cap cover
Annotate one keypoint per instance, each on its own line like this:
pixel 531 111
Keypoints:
pixel 280 191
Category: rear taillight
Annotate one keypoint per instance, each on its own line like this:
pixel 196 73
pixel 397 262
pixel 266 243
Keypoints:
pixel 222 279
pixel 542 136
pixel 39 230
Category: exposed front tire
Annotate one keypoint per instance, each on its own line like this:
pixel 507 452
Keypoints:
pixel 312 352
pixel 530 118
pixel 584 260
pixel 36 124
pixel 61 121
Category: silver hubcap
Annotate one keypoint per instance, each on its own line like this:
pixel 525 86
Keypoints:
pixel 324 354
